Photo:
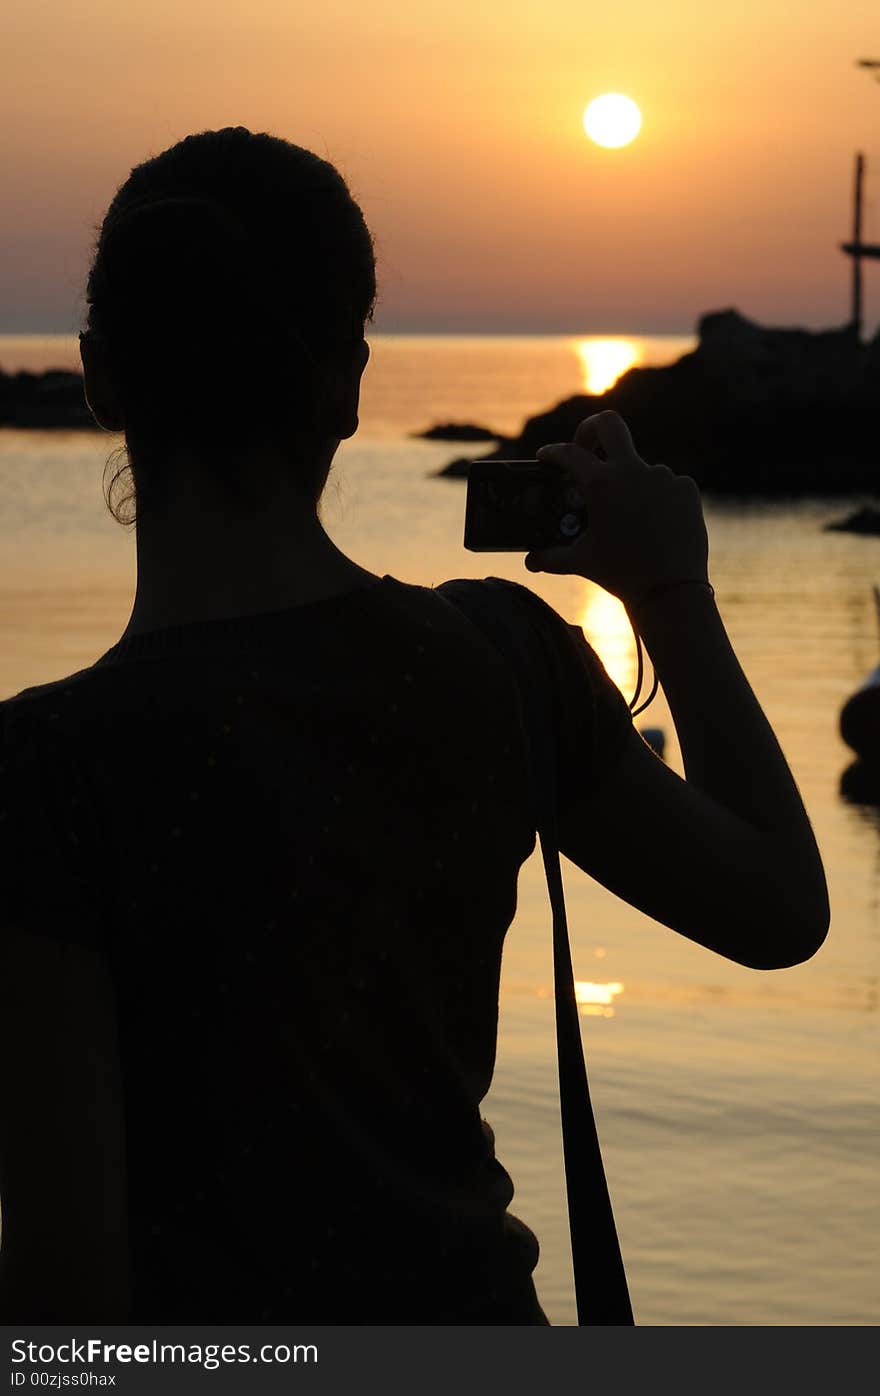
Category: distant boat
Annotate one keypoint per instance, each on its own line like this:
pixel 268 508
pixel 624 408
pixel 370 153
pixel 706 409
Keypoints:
pixel 860 714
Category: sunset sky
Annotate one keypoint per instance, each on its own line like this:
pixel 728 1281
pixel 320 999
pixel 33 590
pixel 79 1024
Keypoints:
pixel 458 128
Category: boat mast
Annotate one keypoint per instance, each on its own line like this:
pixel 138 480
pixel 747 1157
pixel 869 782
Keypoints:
pixel 857 249
pixel 856 314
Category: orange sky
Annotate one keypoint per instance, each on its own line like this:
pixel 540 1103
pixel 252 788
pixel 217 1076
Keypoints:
pixel 458 127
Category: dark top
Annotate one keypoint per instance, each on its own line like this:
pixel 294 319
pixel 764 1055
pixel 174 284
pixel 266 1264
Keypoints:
pixel 296 836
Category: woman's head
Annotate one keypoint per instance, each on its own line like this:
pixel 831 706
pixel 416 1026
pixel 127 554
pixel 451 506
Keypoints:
pixel 232 279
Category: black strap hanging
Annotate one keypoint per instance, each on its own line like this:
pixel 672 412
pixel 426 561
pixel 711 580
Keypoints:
pixel 599 1278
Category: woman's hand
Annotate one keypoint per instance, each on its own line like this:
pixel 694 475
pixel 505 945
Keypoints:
pixel 645 525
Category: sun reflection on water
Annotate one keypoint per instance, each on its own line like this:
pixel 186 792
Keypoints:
pixel 604 359
pixel 605 623
pixel 595 1000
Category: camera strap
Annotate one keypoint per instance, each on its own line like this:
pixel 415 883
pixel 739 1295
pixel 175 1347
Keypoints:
pixel 601 1291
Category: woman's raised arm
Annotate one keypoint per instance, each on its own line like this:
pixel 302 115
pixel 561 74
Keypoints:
pixel 727 857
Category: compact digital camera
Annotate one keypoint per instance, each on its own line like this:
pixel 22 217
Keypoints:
pixel 514 506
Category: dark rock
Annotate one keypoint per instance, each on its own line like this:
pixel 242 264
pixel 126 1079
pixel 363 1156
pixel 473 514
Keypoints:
pixel 750 410
pixel 864 520
pixel 859 720
pixel 458 431
pixel 860 783
pixel 51 399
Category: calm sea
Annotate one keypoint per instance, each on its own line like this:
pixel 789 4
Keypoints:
pixel 737 1110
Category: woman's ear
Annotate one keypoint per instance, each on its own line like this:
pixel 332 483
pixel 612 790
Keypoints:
pixel 345 399
pixel 100 394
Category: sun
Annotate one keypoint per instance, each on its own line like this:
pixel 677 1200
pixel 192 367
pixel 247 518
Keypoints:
pixel 612 120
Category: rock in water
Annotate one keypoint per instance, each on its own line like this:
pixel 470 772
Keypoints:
pixel 51 399
pixel 865 520
pixel 458 431
pixel 751 410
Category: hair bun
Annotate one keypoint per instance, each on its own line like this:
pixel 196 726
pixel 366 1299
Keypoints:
pixel 183 250
pixel 232 275
pixel 179 210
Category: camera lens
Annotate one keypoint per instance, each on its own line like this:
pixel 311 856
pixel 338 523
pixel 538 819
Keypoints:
pixel 569 525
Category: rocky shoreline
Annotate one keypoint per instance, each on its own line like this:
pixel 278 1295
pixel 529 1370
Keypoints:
pixel 750 410
pixel 50 400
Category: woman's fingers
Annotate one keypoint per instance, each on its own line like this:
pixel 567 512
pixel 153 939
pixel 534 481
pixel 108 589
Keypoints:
pixel 582 464
pixel 644 524
pixel 588 472
pixel 607 432
pixel 600 460
pixel 602 445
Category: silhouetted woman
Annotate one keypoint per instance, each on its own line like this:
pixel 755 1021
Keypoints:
pixel 276 829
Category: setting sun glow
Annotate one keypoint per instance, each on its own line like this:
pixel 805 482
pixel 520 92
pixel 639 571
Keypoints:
pixel 604 359
pixel 612 120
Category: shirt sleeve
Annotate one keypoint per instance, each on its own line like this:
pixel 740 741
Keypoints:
pixel 592 719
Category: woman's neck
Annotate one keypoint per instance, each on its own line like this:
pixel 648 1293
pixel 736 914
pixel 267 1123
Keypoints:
pixel 212 562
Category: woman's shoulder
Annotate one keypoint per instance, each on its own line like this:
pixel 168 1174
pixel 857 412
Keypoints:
pixel 449 605
pixel 591 717
pixel 43 730
pixel 469 593
pixel 38 707
pixel 484 598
